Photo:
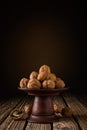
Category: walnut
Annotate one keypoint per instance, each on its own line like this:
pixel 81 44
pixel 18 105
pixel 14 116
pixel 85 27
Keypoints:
pixel 45 68
pixel 59 83
pixel 16 114
pixel 23 82
pixel 27 108
pixel 34 83
pixel 45 84
pixel 57 108
pixel 33 75
pixel 52 76
pixel 48 84
pixel 66 111
pixel 42 76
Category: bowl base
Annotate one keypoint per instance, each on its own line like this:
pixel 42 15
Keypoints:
pixel 43 119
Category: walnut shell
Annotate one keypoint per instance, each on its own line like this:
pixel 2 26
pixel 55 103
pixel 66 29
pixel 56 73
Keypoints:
pixel 59 83
pixel 48 84
pixel 66 111
pixel 16 114
pixel 23 82
pixel 27 108
pixel 57 108
pixel 34 83
pixel 33 75
pixel 45 84
pixel 44 68
pixel 42 76
pixel 52 76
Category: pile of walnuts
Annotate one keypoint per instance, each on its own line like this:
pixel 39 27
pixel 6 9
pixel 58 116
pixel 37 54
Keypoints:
pixel 43 79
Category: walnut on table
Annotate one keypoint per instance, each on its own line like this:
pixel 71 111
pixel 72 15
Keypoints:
pixel 67 112
pixel 27 108
pixel 57 108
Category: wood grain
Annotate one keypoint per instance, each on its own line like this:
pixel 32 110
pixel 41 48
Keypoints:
pixel 64 123
pixel 79 111
pixel 76 122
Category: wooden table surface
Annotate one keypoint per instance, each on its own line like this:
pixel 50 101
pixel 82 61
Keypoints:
pixel 78 121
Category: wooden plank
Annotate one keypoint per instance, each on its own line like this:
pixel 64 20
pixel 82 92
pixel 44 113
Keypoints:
pixel 33 126
pixel 8 119
pixel 37 126
pixel 5 112
pixel 2 102
pixel 17 125
pixel 79 111
pixel 64 123
pixel 22 124
pixel 8 103
pixel 82 99
pixel 47 127
pixel 3 105
pixel 80 115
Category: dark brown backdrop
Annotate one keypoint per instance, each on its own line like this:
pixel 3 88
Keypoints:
pixel 33 36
